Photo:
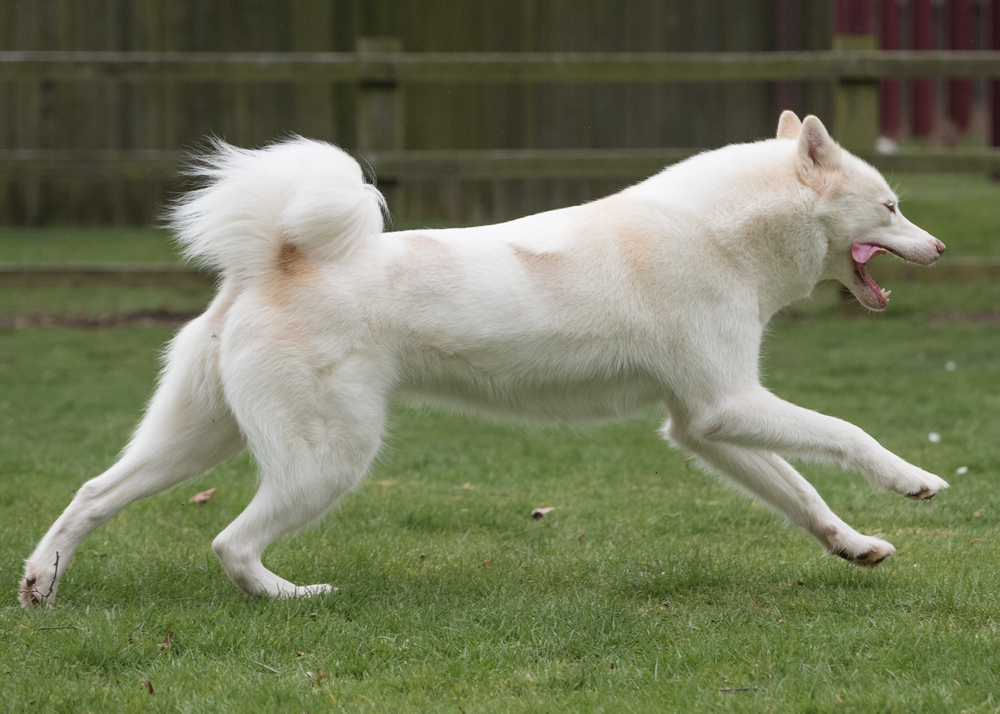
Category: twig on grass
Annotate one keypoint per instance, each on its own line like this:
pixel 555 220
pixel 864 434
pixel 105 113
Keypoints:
pixel 55 576
pixel 737 689
pixel 261 664
pixel 59 627
pixel 34 591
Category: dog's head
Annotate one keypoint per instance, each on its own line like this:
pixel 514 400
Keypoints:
pixel 858 210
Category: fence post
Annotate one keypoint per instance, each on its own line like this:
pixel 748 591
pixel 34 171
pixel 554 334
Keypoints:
pixel 857 102
pixel 890 107
pixel 923 87
pixel 380 117
pixel 857 120
pixel 994 84
pixel 312 31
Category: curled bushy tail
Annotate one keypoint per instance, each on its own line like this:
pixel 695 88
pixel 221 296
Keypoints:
pixel 306 192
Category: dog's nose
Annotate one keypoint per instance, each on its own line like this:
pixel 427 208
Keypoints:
pixel 940 246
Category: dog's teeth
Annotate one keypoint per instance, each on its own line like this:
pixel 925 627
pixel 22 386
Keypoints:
pixel 886 293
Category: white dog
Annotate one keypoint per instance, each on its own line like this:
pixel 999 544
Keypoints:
pixel 658 295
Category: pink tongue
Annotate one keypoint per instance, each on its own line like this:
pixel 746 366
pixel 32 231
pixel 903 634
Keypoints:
pixel 862 252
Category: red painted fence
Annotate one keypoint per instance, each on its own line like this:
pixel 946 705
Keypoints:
pixel 921 107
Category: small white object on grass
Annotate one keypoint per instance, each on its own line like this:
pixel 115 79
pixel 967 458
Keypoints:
pixel 934 437
pixel 885 145
pixel 961 470
pixel 950 366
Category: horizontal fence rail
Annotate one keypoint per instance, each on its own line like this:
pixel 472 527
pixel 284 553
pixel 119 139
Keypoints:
pixel 482 68
pixel 117 275
pixel 470 164
pixel 378 75
pixel 151 275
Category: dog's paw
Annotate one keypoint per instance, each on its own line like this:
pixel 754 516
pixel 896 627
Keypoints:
pixel 921 486
pixel 929 489
pixel 866 551
pixel 36 589
pixel 308 591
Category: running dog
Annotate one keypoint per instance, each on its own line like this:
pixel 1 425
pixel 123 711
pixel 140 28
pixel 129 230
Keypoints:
pixel 657 295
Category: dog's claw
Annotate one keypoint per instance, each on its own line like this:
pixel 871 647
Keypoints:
pixel 863 560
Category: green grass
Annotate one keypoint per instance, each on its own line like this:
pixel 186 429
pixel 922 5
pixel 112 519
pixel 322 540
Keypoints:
pixel 648 588
pixel 86 245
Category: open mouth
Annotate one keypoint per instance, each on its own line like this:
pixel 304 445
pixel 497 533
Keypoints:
pixel 861 253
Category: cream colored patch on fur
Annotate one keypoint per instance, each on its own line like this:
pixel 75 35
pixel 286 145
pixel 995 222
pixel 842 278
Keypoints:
pixel 546 269
pixel 425 270
pixel 292 260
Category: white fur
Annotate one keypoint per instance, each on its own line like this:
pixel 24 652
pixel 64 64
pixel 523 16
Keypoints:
pixel 658 295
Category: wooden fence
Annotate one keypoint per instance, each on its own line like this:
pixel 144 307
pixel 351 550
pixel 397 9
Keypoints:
pixel 108 113
pixel 93 137
pixel 378 76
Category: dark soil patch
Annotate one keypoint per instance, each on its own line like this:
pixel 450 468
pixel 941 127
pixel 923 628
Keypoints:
pixel 149 318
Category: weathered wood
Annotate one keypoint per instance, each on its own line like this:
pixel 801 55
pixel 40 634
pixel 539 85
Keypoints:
pixel 947 270
pixel 467 164
pixel 857 119
pixel 525 163
pixel 482 68
pixel 379 120
pixel 118 275
pixel 127 164
pixel 146 275
pixel 312 31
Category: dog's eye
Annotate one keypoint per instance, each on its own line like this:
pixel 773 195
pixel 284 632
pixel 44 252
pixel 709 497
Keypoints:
pixel 891 206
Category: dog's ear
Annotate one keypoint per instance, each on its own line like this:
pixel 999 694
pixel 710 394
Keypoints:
pixel 818 154
pixel 789 125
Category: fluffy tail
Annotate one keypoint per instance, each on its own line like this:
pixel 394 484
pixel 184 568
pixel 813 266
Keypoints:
pixel 302 191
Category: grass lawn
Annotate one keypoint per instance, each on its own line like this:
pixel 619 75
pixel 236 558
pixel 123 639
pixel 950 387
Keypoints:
pixel 649 588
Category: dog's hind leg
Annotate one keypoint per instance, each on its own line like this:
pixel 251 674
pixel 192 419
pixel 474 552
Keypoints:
pixel 313 436
pixel 774 481
pixel 186 430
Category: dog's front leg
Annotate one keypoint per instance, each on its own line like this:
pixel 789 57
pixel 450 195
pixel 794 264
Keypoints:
pixel 768 477
pixel 758 419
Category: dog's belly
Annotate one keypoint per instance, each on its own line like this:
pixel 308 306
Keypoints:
pixel 514 384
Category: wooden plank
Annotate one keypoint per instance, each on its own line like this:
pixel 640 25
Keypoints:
pixel 144 275
pixel 954 161
pixel 126 164
pixel 312 30
pixel 525 163
pixel 481 68
pixel 626 163
pixel 118 275
pixel 379 124
pixel 857 120
pixel 947 270
pixel 467 164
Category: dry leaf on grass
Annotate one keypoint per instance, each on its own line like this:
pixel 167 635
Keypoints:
pixel 540 512
pixel 166 643
pixel 148 685
pixel 202 497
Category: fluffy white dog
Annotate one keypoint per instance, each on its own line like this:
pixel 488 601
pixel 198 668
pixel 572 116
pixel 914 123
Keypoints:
pixel 659 295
